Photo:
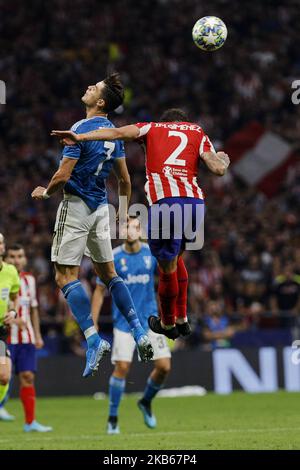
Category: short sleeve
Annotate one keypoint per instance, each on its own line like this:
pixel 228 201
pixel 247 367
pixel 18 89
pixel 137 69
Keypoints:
pixel 144 128
pixel 119 151
pixel 206 145
pixel 32 288
pixel 15 285
pixel 74 151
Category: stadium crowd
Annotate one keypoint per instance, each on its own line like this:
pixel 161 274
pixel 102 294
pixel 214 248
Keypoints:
pixel 249 269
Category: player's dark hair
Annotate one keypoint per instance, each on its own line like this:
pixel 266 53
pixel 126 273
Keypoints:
pixel 15 247
pixel 174 115
pixel 113 92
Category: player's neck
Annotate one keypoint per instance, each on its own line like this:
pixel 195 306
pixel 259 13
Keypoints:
pixel 1 263
pixel 132 247
pixel 92 112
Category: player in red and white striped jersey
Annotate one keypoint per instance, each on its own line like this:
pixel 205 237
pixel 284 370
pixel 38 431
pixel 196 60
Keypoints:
pixel 173 148
pixel 25 337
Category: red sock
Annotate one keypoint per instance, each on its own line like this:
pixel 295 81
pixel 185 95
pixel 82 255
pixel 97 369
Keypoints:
pixel 182 276
pixel 167 293
pixel 27 396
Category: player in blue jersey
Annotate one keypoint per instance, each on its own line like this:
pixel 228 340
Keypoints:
pixel 135 264
pixel 83 219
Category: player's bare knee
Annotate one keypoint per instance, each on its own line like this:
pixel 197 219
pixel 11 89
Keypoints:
pixel 169 266
pixel 121 369
pixel 26 378
pixel 64 275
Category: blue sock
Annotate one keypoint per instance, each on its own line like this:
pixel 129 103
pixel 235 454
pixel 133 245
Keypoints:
pixel 116 390
pixel 151 390
pixel 80 306
pixel 124 302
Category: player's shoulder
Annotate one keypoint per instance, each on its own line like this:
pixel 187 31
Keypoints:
pixel 117 251
pixel 145 248
pixel 9 268
pixel 93 123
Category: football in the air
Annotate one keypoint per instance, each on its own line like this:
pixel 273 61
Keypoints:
pixel 209 33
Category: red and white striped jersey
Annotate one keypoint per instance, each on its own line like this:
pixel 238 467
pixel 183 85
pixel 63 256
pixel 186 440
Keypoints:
pixel 172 152
pixel 27 299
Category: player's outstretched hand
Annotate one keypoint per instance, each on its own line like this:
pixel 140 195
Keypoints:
pixel 67 137
pixel 38 193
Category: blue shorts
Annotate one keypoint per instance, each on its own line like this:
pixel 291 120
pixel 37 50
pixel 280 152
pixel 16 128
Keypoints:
pixel 23 357
pixel 170 231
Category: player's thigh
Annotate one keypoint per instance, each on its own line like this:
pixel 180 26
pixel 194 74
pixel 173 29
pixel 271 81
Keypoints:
pixel 99 241
pixel 72 226
pixel 123 346
pixel 160 346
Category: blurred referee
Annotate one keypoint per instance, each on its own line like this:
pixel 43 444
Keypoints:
pixel 9 289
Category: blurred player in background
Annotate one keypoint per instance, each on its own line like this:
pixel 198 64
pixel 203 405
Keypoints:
pixel 25 337
pixel 135 264
pixel 9 289
pixel 83 219
pixel 173 147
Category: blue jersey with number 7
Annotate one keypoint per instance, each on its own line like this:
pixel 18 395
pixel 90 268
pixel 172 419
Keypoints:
pixel 95 160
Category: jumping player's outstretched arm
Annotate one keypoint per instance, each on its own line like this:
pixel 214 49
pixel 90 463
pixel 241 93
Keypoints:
pixel 130 132
pixel 58 180
pixel 217 163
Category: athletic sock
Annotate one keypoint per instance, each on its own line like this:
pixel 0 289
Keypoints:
pixel 167 293
pixel 124 302
pixel 80 306
pixel 27 396
pixel 181 302
pixel 116 390
pixel 150 391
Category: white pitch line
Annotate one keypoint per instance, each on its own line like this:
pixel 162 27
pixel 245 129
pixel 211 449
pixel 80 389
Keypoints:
pixel 152 434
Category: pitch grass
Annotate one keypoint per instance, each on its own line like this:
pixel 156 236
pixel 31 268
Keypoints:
pixel 237 421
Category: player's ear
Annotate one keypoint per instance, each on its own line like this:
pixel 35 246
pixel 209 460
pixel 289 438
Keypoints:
pixel 101 103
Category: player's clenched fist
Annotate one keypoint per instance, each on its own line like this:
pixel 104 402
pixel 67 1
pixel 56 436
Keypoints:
pixel 224 157
pixel 39 193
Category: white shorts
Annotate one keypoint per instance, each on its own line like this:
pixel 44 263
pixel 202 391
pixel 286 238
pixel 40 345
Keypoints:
pixel 78 231
pixel 124 346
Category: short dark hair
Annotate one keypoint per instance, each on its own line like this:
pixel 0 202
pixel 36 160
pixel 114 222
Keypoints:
pixel 174 115
pixel 15 247
pixel 113 92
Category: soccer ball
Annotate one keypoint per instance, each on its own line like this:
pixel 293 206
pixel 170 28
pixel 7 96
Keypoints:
pixel 209 33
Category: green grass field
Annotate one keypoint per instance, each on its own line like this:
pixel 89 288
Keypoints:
pixel 237 421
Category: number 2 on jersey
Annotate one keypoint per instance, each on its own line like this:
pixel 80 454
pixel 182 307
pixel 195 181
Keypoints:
pixel 172 159
pixel 109 147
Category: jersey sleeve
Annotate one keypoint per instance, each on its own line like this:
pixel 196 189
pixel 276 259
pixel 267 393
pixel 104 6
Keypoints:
pixel 206 145
pixel 144 128
pixel 32 289
pixel 74 151
pixel 119 151
pixel 16 282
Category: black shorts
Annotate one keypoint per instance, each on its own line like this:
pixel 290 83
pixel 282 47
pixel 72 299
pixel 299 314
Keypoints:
pixel 3 346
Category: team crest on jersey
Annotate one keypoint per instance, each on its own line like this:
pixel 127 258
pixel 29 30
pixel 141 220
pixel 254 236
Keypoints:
pixel 147 261
pixel 123 265
pixel 168 171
